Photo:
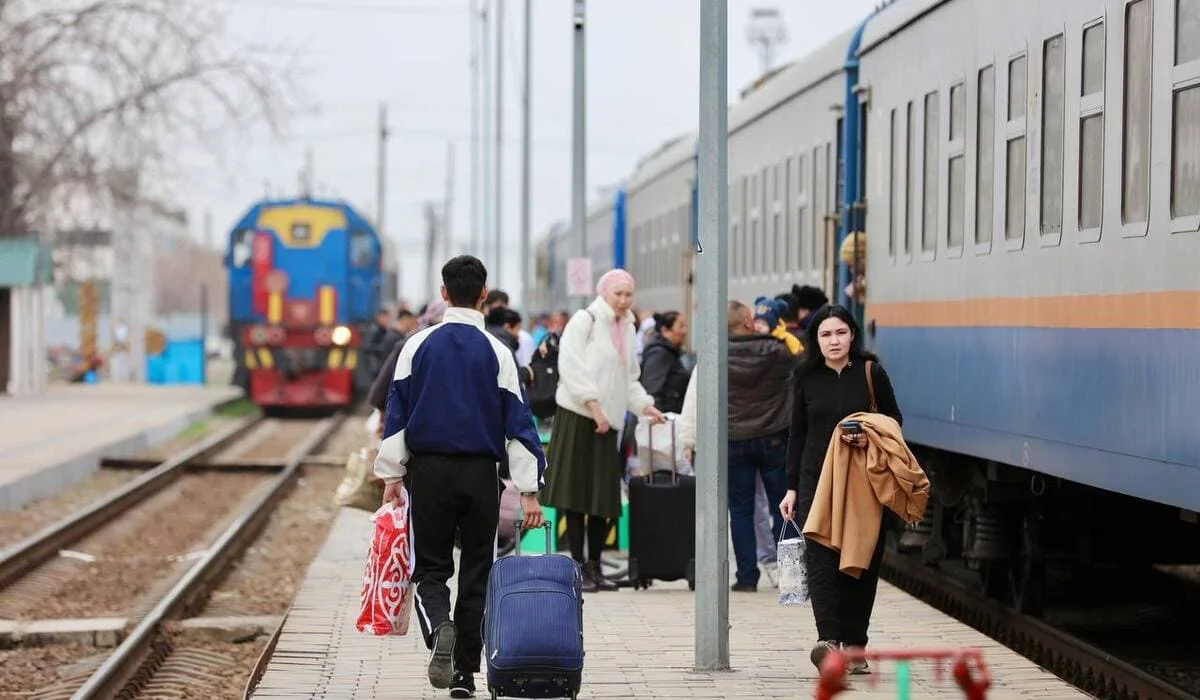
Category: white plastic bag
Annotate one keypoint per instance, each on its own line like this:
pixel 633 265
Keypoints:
pixel 793 574
pixel 657 447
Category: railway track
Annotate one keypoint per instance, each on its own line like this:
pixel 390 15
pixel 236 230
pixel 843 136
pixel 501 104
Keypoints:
pixel 22 557
pixel 1084 665
pixel 115 575
pixel 135 660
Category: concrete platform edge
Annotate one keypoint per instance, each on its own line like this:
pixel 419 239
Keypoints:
pixel 14 495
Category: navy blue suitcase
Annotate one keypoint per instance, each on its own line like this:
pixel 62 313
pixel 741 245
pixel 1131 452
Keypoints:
pixel 533 625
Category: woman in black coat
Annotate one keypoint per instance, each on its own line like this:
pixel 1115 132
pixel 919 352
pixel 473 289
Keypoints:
pixel 662 373
pixel 830 385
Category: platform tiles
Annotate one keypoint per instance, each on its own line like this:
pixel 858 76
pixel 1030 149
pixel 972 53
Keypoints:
pixel 55 440
pixel 638 644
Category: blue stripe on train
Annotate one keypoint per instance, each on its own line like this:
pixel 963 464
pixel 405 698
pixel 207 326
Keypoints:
pixel 1116 409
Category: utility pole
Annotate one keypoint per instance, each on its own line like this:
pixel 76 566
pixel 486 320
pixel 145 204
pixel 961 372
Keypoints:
pixel 579 136
pixel 431 239
pixel 497 233
pixel 475 140
pixel 526 161
pixel 306 175
pixel 381 171
pixel 449 244
pixel 712 428
pixel 485 172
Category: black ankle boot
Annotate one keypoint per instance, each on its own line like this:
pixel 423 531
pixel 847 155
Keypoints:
pixel 592 569
pixel 589 584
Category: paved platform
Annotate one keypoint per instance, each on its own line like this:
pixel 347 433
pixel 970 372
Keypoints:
pixel 57 439
pixel 638 644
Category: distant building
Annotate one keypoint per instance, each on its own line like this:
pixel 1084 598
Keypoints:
pixel 25 278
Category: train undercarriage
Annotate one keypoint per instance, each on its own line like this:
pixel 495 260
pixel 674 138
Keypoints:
pixel 1023 538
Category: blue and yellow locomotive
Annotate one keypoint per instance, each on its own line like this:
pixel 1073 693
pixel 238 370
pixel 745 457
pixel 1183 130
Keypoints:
pixel 306 278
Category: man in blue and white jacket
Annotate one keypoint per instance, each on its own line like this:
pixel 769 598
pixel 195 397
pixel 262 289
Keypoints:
pixel 455 409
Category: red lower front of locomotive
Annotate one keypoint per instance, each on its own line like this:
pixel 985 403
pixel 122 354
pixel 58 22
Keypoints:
pixel 301 368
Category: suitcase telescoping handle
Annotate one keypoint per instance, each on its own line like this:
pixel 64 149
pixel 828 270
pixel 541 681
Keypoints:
pixel 674 466
pixel 549 528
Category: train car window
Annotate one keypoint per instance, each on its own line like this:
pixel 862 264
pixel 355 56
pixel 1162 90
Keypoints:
pixel 929 222
pixel 958 111
pixel 1017 87
pixel 956 170
pixel 1093 61
pixel 243 247
pixel 957 204
pixel 1136 128
pixel 985 156
pixel 789 177
pixel 362 248
pixel 1091 133
pixel 764 216
pixel 1187 31
pixel 1014 157
pixel 818 227
pixel 776 256
pixel 910 166
pixel 1054 91
pixel 1014 220
pixel 1185 156
pixel 1185 117
pixel 802 222
pixel 893 182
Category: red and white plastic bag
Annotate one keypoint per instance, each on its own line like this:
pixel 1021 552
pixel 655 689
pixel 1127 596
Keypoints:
pixel 387 592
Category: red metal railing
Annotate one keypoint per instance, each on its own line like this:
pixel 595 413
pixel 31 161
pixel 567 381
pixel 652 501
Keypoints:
pixel 967 669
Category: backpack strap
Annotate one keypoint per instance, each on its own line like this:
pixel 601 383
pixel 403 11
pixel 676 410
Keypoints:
pixel 871 386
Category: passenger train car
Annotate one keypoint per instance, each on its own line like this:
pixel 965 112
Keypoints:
pixel 1027 175
pixel 305 282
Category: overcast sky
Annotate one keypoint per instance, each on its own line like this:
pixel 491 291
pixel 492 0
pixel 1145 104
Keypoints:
pixel 642 86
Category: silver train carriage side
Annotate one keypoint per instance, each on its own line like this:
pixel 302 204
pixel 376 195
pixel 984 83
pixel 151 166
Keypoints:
pixel 1028 178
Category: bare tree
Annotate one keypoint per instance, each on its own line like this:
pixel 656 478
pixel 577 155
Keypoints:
pixel 92 91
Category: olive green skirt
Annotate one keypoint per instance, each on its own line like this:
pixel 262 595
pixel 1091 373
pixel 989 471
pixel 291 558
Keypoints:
pixel 583 470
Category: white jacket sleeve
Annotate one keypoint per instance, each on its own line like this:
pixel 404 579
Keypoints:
pixel 573 373
pixel 687 418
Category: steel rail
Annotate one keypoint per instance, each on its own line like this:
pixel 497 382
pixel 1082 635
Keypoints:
pixel 1081 664
pixel 23 556
pixel 129 660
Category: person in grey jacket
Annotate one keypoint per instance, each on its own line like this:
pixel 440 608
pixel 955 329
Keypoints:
pixel 760 410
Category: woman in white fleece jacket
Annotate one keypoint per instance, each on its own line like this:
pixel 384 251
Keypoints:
pixel 597 384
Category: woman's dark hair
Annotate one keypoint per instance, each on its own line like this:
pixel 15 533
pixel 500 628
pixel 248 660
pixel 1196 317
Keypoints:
pixel 812 348
pixel 666 320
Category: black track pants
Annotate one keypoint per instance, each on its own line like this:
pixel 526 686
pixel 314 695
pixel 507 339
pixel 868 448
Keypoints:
pixel 453 493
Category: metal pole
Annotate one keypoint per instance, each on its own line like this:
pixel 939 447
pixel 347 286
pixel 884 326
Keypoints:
pixel 203 334
pixel 497 233
pixel 526 163
pixel 485 172
pixel 579 136
pixel 475 140
pixel 712 427
pixel 381 172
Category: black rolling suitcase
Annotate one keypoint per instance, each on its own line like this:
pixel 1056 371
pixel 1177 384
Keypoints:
pixel 662 525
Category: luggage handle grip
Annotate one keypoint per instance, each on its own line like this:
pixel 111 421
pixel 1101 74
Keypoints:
pixel 547 525
pixel 650 449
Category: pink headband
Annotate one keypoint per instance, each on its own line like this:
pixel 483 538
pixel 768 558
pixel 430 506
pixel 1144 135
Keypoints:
pixel 611 279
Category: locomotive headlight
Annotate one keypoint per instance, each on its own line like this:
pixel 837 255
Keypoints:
pixel 341 335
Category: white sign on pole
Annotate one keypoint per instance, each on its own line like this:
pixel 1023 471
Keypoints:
pixel 579 277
